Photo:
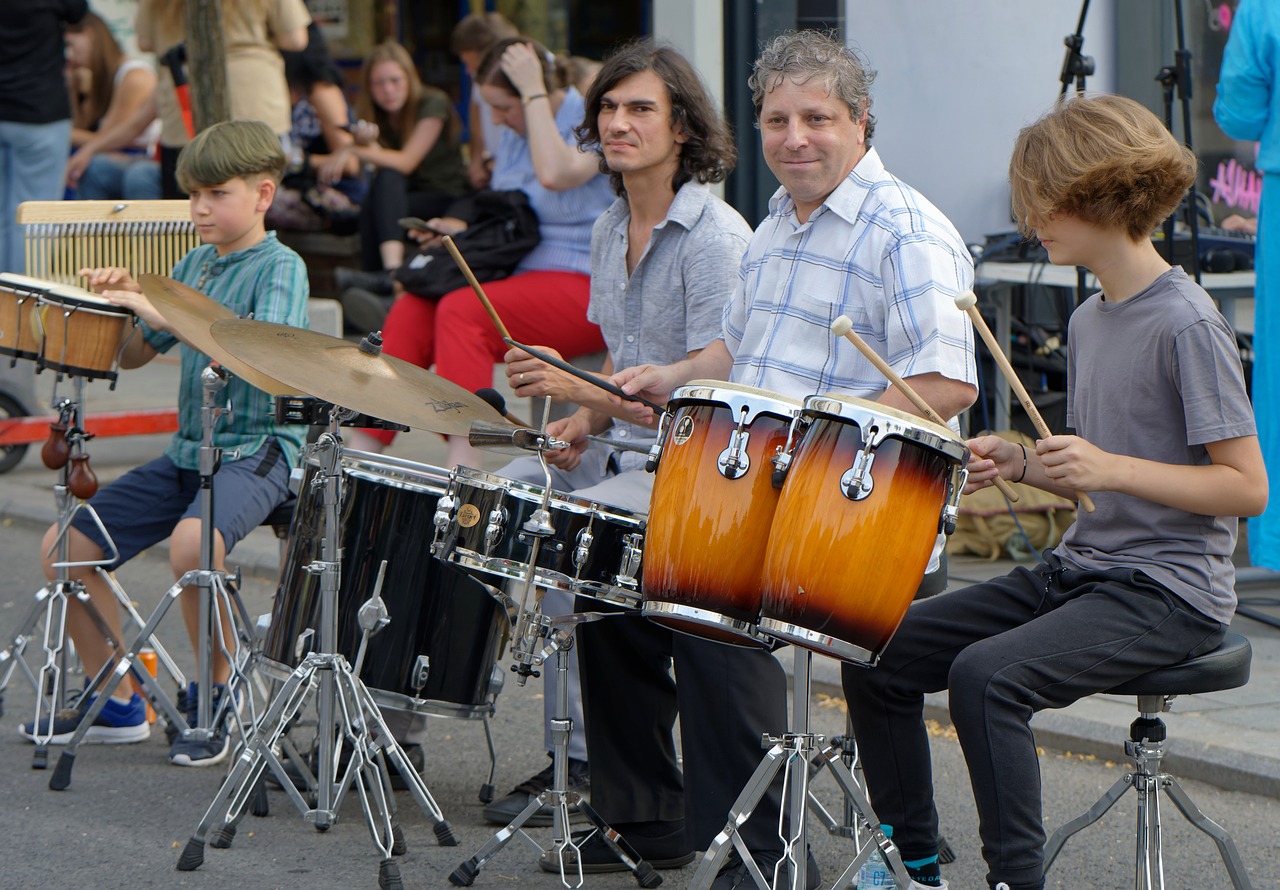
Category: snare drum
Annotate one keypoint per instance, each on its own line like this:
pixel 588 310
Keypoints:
pixel 439 653
pixel 712 509
pixel 860 512
pixel 591 549
pixel 82 333
pixel 19 296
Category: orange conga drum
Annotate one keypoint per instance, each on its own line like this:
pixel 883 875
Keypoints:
pixel 865 497
pixel 712 509
pixel 82 332
pixel 19 296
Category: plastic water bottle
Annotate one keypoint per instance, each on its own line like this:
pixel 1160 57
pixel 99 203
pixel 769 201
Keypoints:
pixel 874 874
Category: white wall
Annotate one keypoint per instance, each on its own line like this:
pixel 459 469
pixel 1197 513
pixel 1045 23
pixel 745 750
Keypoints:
pixel 956 81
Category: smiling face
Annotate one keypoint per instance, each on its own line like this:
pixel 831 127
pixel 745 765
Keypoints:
pixel 635 125
pixel 810 141
pixel 229 215
pixel 388 86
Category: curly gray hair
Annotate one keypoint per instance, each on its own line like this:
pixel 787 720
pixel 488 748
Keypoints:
pixel 802 55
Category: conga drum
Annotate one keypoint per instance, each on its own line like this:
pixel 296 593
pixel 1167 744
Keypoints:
pixel 712 509
pixel 864 501
pixel 19 296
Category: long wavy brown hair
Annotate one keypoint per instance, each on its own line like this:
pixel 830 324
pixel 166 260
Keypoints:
pixel 105 57
pixel 396 128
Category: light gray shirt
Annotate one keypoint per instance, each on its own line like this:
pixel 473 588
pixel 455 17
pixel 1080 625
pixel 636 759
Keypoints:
pixel 1158 377
pixel 671 303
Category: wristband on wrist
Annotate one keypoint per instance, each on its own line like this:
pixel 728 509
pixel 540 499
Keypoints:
pixel 1024 464
pixel 527 99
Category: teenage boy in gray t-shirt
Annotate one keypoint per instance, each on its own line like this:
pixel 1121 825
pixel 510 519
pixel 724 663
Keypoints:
pixel 1166 447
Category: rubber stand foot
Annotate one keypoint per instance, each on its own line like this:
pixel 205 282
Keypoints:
pixel 389 875
pixel 192 856
pixel 647 876
pixel 946 854
pixel 486 793
pixel 40 759
pixel 259 806
pixel 222 836
pixel 398 845
pixel 465 874
pixel 61 778
pixel 445 835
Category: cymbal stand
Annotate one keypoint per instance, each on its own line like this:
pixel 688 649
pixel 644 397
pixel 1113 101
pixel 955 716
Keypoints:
pixel 792 752
pixel 347 714
pixel 218 596
pixel 537 636
pixel 64 451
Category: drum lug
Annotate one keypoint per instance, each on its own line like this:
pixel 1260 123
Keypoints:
pixel 495 527
pixel 583 548
pixel 443 520
pixel 632 551
pixel 734 462
pixel 781 463
pixel 857 482
pixel 418 676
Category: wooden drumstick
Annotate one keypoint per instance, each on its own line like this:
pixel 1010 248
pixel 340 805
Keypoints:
pixel 968 303
pixel 843 327
pixel 475 286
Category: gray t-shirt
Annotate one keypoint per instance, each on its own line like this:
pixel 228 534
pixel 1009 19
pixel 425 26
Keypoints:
pixel 671 303
pixel 1157 377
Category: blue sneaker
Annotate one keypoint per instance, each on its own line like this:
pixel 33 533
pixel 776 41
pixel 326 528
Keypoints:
pixel 117 724
pixel 187 749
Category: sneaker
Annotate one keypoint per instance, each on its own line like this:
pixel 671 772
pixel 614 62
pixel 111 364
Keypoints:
pixel 187 750
pixel 734 873
pixel 504 812
pixel 117 724
pixel 377 281
pixel 662 845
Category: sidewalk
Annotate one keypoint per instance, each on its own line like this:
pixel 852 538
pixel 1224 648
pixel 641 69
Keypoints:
pixel 1227 739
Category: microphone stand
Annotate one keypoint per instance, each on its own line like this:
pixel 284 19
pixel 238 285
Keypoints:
pixel 1077 66
pixel 1178 76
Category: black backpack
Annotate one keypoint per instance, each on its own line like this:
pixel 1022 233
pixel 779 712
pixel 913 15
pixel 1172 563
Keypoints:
pixel 501 229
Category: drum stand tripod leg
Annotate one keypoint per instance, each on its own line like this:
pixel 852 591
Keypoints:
pixel 347 714
pixel 793 753
pixel 561 800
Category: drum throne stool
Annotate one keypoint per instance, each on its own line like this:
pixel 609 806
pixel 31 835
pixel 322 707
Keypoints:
pixel 1226 667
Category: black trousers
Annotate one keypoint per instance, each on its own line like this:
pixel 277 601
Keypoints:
pixel 1033 639
pixel 387 201
pixel 726 696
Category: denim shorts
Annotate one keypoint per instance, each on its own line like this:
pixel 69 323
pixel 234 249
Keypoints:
pixel 142 507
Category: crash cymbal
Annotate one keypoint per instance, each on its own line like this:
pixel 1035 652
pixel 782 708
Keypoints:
pixel 191 313
pixel 337 371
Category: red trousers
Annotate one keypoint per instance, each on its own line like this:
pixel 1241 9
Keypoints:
pixel 458 337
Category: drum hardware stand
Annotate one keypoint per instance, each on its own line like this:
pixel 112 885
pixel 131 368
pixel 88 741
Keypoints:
pixel 64 451
pixel 793 752
pixel 219 595
pixel 343 704
pixel 527 649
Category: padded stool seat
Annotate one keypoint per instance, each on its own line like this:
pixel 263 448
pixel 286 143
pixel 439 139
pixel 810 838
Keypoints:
pixel 1226 667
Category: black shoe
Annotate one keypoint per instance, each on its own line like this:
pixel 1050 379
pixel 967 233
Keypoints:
pixel 363 310
pixel 661 844
pixel 734 874
pixel 504 812
pixel 379 282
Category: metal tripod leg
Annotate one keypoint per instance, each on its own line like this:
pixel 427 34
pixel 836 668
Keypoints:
pixel 793 752
pixel 567 851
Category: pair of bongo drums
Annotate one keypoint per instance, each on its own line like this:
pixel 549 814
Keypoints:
pixel 60 326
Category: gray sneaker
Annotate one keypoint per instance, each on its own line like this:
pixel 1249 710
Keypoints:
pixel 504 811
pixel 363 310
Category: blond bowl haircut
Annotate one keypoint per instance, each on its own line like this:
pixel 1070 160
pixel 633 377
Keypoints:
pixel 1104 159
pixel 228 150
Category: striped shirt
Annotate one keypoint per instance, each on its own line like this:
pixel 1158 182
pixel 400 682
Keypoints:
pixel 565 217
pixel 876 251
pixel 269 282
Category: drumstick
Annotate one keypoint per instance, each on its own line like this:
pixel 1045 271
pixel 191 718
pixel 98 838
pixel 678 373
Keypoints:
pixel 968 303
pixel 843 327
pixel 475 286
pixel 607 385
